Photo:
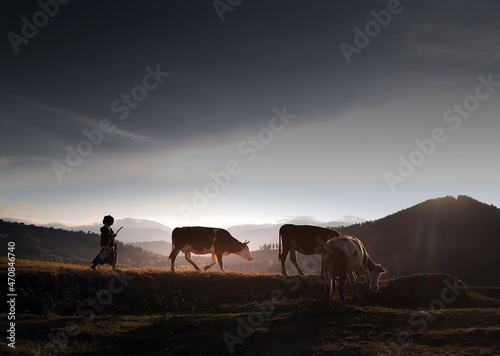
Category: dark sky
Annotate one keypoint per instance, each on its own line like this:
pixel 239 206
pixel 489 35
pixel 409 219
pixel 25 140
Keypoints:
pixel 354 119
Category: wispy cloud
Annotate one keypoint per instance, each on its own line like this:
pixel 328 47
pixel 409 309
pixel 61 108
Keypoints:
pixel 5 161
pixel 34 213
pixel 85 120
pixel 301 219
pixel 94 123
pixel 455 43
pixel 16 210
pixel 10 161
pixel 135 136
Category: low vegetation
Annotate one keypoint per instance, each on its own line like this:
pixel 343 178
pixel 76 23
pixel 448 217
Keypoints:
pixel 72 310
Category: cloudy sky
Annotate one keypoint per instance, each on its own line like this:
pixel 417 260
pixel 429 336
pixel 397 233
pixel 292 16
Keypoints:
pixel 206 113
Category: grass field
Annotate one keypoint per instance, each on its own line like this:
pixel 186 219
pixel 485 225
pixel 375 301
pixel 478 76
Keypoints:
pixel 71 310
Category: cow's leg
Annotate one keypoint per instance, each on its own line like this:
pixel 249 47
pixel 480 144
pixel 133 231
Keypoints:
pixel 329 287
pixel 220 262
pixel 283 258
pixel 293 258
pixel 328 290
pixel 187 254
pixel 352 279
pixel 328 279
pixel 172 258
pixel 368 283
pixel 342 280
pixel 214 261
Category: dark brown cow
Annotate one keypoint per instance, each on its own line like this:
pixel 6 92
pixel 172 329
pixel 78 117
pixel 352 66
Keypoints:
pixel 202 240
pixel 344 257
pixel 306 239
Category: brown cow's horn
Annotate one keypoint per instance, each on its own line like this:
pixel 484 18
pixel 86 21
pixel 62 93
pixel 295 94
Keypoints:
pixel 246 242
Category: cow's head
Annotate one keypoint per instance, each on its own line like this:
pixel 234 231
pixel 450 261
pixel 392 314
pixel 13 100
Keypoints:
pixel 245 251
pixel 375 275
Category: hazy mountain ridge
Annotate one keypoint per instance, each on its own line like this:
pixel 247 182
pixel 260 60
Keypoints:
pixel 158 247
pixel 134 230
pixel 140 230
pixel 268 233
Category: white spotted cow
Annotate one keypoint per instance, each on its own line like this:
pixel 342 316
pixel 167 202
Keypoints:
pixel 344 257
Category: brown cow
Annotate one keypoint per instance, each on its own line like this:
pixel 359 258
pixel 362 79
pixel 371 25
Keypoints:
pixel 306 239
pixel 202 240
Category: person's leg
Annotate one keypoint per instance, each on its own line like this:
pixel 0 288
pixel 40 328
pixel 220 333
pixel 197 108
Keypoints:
pixel 96 260
pixel 115 258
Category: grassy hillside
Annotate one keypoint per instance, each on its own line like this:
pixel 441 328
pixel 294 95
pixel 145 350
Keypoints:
pixel 150 311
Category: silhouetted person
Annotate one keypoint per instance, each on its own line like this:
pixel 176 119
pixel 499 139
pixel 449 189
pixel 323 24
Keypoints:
pixel 108 252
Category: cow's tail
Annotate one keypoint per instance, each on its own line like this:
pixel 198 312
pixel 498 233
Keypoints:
pixel 172 253
pixel 279 246
pixel 329 271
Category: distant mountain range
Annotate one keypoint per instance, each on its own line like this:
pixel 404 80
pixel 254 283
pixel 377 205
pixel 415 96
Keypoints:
pixel 268 233
pixel 134 230
pixel 160 247
pixel 139 230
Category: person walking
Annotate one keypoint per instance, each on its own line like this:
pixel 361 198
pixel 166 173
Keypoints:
pixel 108 253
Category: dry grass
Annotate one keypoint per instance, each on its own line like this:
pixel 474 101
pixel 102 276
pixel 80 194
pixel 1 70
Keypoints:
pixel 188 312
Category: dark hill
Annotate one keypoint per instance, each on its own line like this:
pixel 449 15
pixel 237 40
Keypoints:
pixel 459 236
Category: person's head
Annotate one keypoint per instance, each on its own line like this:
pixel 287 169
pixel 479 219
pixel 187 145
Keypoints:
pixel 108 220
